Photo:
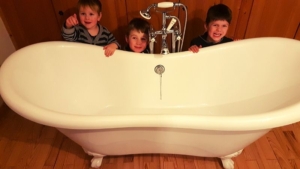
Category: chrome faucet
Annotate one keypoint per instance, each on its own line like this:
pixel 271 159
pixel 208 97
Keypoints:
pixel 176 32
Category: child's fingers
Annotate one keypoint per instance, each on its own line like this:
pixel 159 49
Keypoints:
pixel 107 53
pixel 75 19
pixel 195 49
pixel 71 21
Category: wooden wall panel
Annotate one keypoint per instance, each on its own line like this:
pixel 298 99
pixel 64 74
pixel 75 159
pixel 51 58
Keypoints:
pixel 114 17
pixel 243 19
pixel 6 24
pixel 273 18
pixel 294 21
pixel 64 9
pixel 30 22
pixel 297 34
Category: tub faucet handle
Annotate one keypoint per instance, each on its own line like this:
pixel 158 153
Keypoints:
pixel 171 24
pixel 177 33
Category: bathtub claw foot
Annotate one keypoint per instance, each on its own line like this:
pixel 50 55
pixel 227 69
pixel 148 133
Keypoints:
pixel 97 160
pixel 227 162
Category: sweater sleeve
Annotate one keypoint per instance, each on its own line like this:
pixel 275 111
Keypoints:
pixel 112 39
pixel 69 34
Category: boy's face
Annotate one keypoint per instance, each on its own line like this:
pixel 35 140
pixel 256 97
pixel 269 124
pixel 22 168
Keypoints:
pixel 137 41
pixel 216 30
pixel 88 17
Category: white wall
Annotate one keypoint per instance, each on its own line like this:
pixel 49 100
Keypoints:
pixel 6 45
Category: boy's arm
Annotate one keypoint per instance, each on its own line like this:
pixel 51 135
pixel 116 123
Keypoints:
pixel 112 39
pixel 69 34
pixel 68 29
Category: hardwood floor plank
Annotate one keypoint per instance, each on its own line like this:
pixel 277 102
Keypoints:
pixel 47 167
pixel 6 120
pixel 200 163
pixel 40 153
pixel 248 153
pixel 179 161
pixel 147 157
pixel 295 144
pixel 240 161
pixel 278 151
pixel 297 163
pixel 81 160
pixel 189 163
pixel 127 165
pixel 263 155
pixel 62 154
pixel 110 166
pixel 265 148
pixel 55 148
pixel 70 157
pixel 4 152
pixel 259 158
pixel 20 154
pixel 18 148
pixel 274 164
pixel 137 161
pixel 127 158
pixel 168 165
pixel 253 164
pixel 284 142
pixel 210 163
pixel 155 164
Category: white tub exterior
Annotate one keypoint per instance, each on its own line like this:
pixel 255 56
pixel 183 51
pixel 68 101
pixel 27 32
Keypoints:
pixel 213 103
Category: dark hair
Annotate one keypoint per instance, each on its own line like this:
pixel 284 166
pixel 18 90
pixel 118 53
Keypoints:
pixel 218 12
pixel 93 4
pixel 138 24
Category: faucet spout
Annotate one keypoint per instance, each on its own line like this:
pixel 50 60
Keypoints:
pixel 164 47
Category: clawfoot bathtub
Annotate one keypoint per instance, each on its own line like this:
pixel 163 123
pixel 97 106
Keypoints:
pixel 212 104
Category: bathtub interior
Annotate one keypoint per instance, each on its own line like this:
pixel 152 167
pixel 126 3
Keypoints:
pixel 237 78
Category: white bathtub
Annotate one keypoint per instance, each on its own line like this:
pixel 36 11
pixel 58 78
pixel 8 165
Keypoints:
pixel 210 104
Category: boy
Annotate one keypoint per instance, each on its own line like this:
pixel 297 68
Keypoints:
pixel 137 36
pixel 88 30
pixel 216 25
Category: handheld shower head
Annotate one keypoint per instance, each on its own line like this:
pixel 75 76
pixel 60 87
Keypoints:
pixel 145 14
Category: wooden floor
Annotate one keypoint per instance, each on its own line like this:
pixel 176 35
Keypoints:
pixel 27 145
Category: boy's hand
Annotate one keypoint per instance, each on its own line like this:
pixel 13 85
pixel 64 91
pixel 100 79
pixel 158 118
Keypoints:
pixel 71 21
pixel 195 48
pixel 110 49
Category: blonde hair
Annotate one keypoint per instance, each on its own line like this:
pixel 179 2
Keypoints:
pixel 93 4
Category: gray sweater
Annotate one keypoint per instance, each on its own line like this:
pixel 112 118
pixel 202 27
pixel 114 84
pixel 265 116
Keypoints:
pixel 78 33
